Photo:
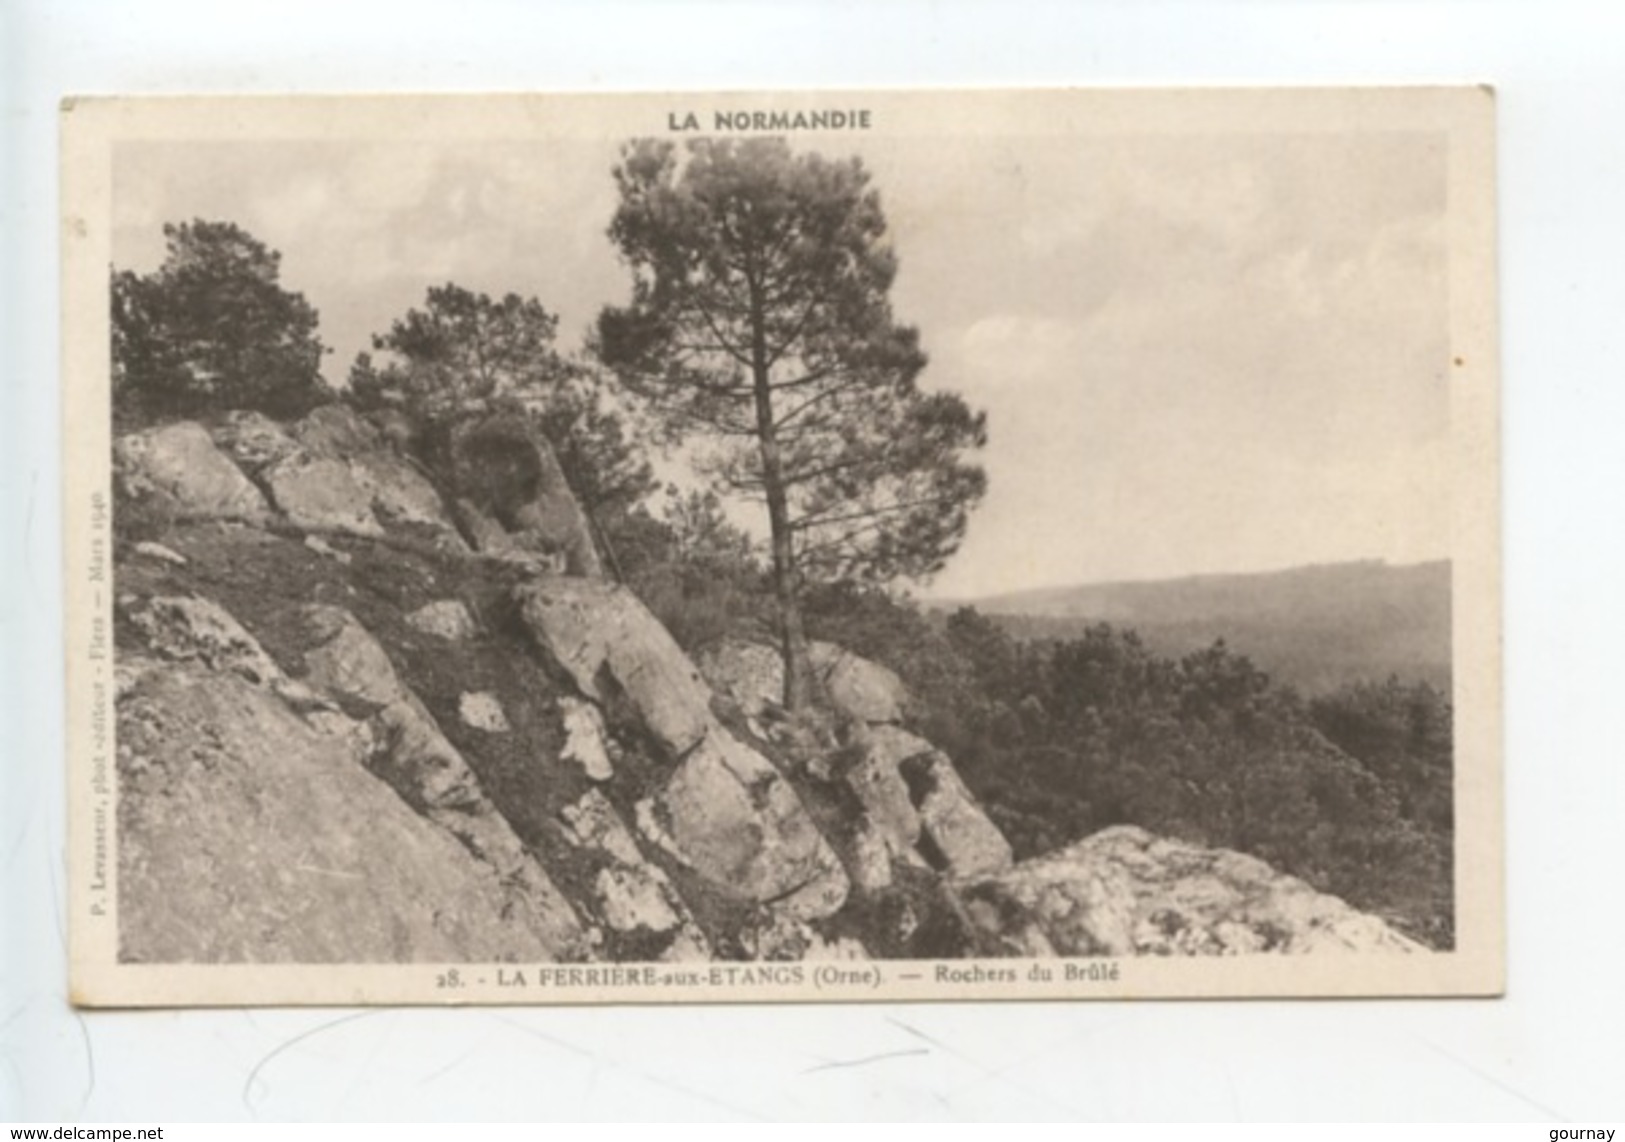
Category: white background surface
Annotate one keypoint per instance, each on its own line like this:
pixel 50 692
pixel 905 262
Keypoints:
pixel 1554 1048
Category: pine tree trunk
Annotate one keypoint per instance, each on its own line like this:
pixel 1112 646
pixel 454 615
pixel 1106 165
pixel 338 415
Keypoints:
pixel 786 586
pixel 786 581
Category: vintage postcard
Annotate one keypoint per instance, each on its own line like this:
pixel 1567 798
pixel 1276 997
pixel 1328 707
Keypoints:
pixel 783 546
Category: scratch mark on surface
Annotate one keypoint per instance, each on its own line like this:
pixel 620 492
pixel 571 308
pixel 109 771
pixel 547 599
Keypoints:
pixel 78 1017
pixel 441 1072
pixel 28 524
pixel 867 1059
pixel 923 1037
pixel 592 1082
pixel 1001 1075
pixel 254 1072
pixel 15 1070
pixel 56 904
pixel 13 1015
pixel 1235 1095
pixel 328 871
pixel 90 1060
pixel 647 1076
pixel 22 835
pixel 362 1071
pixel 1485 1076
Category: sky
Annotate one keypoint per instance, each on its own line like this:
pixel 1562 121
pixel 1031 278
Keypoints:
pixel 1198 353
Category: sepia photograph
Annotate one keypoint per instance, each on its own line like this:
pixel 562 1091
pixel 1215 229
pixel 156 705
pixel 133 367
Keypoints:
pixel 804 546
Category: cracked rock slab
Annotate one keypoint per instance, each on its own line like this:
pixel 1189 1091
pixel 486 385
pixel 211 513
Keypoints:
pixel 321 494
pixel 1125 892
pixel 730 816
pixel 248 836
pixel 177 468
pixel 188 628
pixel 607 642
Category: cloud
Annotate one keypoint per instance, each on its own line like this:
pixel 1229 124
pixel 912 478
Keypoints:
pixel 1219 349
pixel 1181 340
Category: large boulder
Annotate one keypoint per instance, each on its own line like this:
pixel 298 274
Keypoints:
pixel 185 628
pixel 872 774
pixel 915 807
pixel 957 837
pixel 321 493
pixel 632 897
pixel 915 796
pixel 398 490
pixel 176 470
pixel 752 675
pixel 862 690
pixel 410 753
pixel 866 853
pixel 332 471
pixel 724 811
pixel 730 816
pixel 505 472
pixel 342 658
pixel 606 641
pixel 1125 892
pixel 246 835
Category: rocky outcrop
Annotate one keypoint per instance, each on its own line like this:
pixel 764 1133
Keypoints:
pixel 752 675
pixel 387 731
pixel 185 629
pixel 633 898
pixel 410 753
pixel 340 475
pixel 321 494
pixel 859 689
pixel 919 806
pixel 330 472
pixel 513 498
pixel 1123 892
pixel 346 736
pixel 957 837
pixel 723 810
pixel 613 649
pixel 396 491
pixel 248 835
pixel 176 471
pixel 875 777
pixel 729 815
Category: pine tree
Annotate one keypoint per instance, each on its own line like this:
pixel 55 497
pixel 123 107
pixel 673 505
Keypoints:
pixel 760 321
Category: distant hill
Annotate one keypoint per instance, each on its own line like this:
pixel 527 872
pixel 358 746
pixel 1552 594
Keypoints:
pixel 1313 627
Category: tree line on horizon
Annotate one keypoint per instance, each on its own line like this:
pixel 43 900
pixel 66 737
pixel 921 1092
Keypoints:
pixel 758 333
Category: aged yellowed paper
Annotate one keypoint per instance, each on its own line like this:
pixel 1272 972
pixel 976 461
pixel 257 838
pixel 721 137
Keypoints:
pixel 782 546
